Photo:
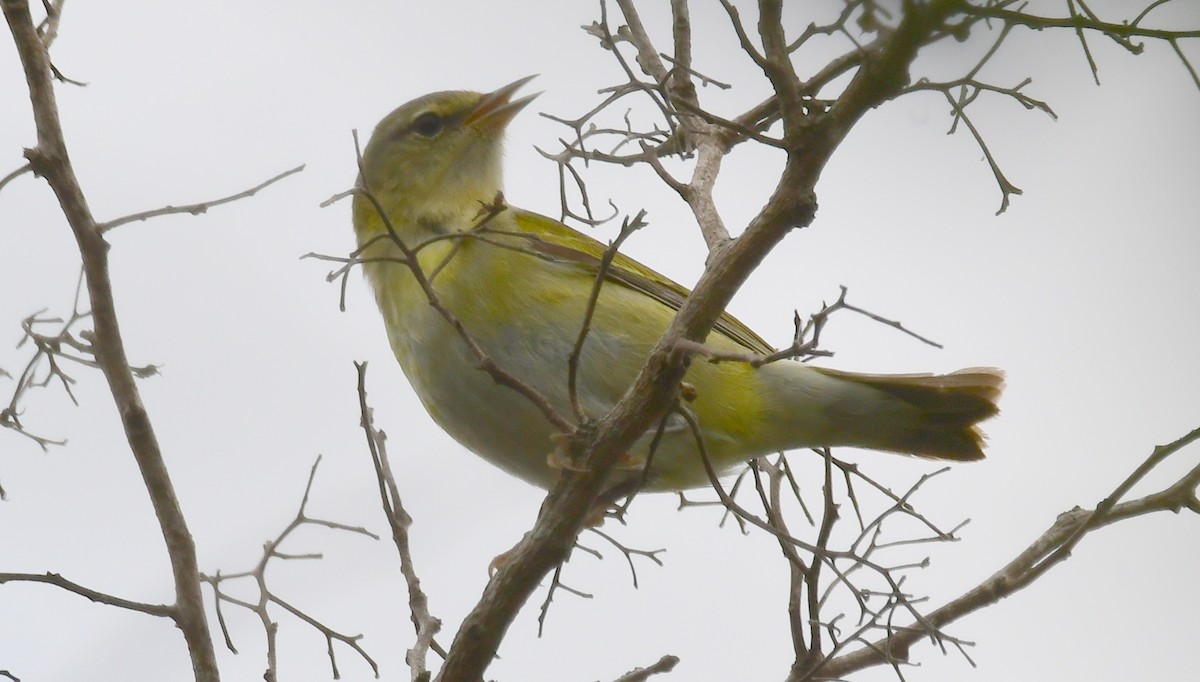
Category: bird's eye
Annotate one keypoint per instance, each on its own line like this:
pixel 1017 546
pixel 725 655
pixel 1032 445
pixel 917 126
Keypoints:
pixel 427 124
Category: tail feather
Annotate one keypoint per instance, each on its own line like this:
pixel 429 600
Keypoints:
pixel 946 409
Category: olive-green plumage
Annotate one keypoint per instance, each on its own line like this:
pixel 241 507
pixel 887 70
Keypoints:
pixel 520 286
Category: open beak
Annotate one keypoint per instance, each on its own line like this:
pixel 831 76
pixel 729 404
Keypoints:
pixel 496 108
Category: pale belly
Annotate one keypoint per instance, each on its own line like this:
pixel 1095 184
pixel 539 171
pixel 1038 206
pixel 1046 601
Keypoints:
pixel 533 344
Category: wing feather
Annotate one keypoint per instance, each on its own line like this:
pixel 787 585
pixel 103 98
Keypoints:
pixel 550 239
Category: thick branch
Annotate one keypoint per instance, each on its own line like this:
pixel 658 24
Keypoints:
pixel 49 159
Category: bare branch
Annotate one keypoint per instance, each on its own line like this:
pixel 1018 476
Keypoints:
pixel 628 227
pixel 49 160
pixel 1087 52
pixel 822 554
pixel 1078 22
pixel 1180 495
pixel 1053 547
pixel 556 584
pixel 197 209
pixel 331 636
pixel 836 26
pixel 738 127
pixel 647 56
pixel 161 610
pixel 704 80
pixel 973 88
pixel 739 28
pixel 1146 12
pixel 798 569
pixel 688 131
pixel 664 665
pixel 829 516
pixel 565 168
pixel 630 552
pixel 424 623
pixel 14 175
pixel 806 340
pixel 266 597
pixel 51 348
pixel 48 27
pixel 1007 189
pixel 1186 63
pixel 777 65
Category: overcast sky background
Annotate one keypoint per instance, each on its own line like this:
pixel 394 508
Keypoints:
pixel 1086 292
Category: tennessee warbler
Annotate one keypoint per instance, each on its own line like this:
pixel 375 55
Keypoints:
pixel 520 284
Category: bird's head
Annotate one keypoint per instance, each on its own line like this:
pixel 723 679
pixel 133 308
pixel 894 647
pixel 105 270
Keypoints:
pixel 437 157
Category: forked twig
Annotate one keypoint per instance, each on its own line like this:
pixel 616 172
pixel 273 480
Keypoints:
pixel 806 340
pixel 266 597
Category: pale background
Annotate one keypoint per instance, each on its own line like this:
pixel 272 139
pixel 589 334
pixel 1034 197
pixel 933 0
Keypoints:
pixel 1086 292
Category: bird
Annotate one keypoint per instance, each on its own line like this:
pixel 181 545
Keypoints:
pixel 517 286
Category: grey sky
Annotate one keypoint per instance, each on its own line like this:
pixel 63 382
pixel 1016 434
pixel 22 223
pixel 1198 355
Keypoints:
pixel 1085 292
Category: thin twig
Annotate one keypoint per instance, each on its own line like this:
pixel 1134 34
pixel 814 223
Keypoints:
pixel 51 348
pixel 14 175
pixel 628 227
pixel 1087 52
pixel 797 567
pixel 1118 29
pixel 806 340
pixel 425 625
pixel 556 584
pixel 1007 189
pixel 630 552
pixel 161 610
pixel 198 208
